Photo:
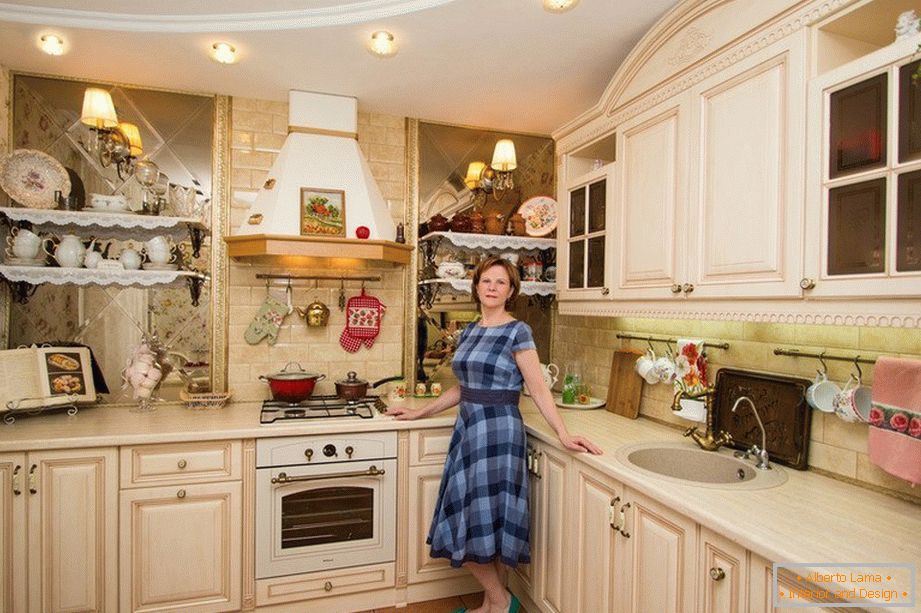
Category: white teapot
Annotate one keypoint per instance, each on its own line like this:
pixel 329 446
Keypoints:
pixel 551 374
pixel 69 253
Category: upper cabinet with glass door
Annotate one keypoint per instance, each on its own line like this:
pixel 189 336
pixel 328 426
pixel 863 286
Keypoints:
pixel 864 219
pixel 583 236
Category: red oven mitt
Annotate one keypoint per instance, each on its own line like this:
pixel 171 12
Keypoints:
pixel 363 316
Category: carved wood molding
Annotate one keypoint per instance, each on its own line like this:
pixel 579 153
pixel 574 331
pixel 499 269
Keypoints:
pixel 249 525
pixel 402 515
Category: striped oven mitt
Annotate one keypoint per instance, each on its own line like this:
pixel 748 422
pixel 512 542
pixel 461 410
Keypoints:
pixel 363 316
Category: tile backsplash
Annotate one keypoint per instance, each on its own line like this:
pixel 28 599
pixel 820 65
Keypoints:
pixel 835 447
pixel 258 130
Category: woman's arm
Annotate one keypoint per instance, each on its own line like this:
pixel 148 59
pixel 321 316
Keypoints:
pixel 529 365
pixel 448 399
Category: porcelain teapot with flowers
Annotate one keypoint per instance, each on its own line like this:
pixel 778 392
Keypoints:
pixel 551 374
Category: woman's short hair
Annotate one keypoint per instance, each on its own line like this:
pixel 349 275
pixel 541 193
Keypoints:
pixel 510 269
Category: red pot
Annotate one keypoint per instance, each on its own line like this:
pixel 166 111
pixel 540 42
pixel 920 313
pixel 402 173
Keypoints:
pixel 292 385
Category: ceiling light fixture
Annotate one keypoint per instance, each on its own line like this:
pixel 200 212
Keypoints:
pixel 52 44
pixel 225 53
pixel 559 6
pixel 382 44
pixel 497 177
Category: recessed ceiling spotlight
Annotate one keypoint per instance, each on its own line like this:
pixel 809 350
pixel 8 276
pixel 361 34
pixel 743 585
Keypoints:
pixel 559 6
pixel 52 44
pixel 225 53
pixel 382 44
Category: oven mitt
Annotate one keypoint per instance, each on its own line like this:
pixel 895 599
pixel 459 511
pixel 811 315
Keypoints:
pixel 267 322
pixel 363 316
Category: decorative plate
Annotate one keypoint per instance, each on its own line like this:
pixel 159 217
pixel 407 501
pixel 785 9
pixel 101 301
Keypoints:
pixel 31 177
pixel 540 215
pixel 593 403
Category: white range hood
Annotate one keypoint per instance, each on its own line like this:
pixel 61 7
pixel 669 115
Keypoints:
pixel 320 152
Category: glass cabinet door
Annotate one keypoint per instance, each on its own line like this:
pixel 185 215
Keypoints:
pixel 857 228
pixel 858 127
pixel 909 113
pixel 908 239
pixel 587 209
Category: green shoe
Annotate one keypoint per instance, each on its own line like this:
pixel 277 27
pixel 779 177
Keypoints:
pixel 515 604
pixel 462 610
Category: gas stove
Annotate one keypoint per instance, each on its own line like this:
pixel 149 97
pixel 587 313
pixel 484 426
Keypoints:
pixel 321 407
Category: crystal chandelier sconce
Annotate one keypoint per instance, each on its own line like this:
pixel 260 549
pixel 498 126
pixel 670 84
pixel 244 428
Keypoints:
pixel 117 143
pixel 496 178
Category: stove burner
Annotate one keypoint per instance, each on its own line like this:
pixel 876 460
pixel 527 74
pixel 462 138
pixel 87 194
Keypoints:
pixel 317 407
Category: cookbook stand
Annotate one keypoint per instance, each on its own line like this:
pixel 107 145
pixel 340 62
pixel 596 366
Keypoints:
pixel 36 406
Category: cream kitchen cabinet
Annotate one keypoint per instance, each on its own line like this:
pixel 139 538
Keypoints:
pixel 584 237
pixel 428 450
pixel 864 177
pixel 722 575
pixel 545 577
pixel 708 199
pixel 58 547
pixel 181 540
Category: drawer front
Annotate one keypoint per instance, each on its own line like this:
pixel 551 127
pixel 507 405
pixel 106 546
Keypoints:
pixel 429 446
pixel 174 463
pixel 326 584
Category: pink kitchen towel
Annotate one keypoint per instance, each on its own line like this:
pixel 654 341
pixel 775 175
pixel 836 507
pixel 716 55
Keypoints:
pixel 895 418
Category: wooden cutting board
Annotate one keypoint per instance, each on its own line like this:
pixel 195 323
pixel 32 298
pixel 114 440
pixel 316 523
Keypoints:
pixel 625 387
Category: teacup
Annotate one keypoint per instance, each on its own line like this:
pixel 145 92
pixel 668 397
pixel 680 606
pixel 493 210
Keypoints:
pixel 551 374
pixel 852 404
pixel 821 394
pixel 24 243
pixel 664 368
pixel 158 250
pixel 646 367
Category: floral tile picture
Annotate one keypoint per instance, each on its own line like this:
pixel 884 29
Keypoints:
pixel 322 212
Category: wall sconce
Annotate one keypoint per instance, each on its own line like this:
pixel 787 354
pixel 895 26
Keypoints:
pixel 116 143
pixel 497 177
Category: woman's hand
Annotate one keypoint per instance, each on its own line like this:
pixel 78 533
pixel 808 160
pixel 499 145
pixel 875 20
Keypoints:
pixel 579 443
pixel 403 413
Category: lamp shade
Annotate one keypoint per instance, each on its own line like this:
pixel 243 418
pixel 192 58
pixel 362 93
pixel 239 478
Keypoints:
pixel 98 109
pixel 503 157
pixel 133 136
pixel 474 173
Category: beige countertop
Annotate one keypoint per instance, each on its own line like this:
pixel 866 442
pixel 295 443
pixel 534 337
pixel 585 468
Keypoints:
pixel 809 518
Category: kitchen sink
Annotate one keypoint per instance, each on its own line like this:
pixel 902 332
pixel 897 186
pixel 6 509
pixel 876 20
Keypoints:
pixel 685 463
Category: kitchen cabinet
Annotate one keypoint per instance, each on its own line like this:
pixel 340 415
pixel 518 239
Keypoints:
pixel 58 516
pixel 428 451
pixel 722 575
pixel 864 177
pixel 181 510
pixel 584 239
pixel 708 197
pixel 120 226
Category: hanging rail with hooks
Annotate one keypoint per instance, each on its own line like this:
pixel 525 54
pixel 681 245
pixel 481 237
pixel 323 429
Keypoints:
pixel 796 353
pixel 270 277
pixel 669 341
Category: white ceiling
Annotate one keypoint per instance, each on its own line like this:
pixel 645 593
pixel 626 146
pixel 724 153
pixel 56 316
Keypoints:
pixel 504 64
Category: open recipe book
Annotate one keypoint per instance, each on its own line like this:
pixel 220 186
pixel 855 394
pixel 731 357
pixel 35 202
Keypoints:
pixel 34 377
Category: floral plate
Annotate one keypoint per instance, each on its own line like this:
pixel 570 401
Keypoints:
pixel 540 215
pixel 31 177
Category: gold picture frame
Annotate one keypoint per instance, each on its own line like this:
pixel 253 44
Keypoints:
pixel 322 212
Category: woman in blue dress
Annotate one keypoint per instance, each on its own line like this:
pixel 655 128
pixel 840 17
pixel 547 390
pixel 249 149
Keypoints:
pixel 481 518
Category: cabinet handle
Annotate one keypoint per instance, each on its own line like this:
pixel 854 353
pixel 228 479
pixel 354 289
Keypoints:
pixel 32 487
pixel 17 488
pixel 605 291
pixel 309 454
pixel 182 464
pixel 623 520
pixel 328 586
pixel 807 283
pixel 180 494
pixel 612 514
pixel 687 288
pixel 717 574
pixel 676 288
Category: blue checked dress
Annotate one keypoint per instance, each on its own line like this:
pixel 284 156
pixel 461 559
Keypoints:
pixel 482 508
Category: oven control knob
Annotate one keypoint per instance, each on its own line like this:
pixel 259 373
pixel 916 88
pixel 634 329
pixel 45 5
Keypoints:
pixel 329 451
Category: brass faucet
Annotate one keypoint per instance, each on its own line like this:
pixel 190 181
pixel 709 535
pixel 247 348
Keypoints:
pixel 706 440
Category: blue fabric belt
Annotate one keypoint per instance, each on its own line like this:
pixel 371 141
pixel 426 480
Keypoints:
pixel 489 396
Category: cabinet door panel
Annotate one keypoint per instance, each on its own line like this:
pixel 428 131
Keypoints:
pixel 181 547
pixel 857 228
pixel 722 568
pixel 551 540
pixel 424 482
pixel 594 559
pixel 908 226
pixel 73 536
pixel 649 205
pixel 858 127
pixel 13 492
pixel 747 191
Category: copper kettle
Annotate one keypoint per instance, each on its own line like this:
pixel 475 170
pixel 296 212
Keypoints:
pixel 316 314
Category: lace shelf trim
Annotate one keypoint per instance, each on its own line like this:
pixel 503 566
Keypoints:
pixel 492 241
pixel 528 288
pixel 124 226
pixel 90 276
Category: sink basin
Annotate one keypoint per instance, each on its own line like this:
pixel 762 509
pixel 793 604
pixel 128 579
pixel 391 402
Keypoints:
pixel 687 464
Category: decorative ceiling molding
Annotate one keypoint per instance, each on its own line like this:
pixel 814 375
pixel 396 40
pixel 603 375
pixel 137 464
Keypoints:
pixel 345 14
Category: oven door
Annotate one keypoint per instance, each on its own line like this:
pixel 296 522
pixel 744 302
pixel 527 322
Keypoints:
pixel 327 516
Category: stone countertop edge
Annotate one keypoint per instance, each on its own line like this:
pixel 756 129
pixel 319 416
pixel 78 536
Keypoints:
pixel 801 520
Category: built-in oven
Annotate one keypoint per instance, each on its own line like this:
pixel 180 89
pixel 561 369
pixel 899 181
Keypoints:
pixel 324 502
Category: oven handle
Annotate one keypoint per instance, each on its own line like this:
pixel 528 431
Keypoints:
pixel 374 471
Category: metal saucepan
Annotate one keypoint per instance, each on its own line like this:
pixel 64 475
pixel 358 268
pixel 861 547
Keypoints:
pixel 353 388
pixel 292 384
